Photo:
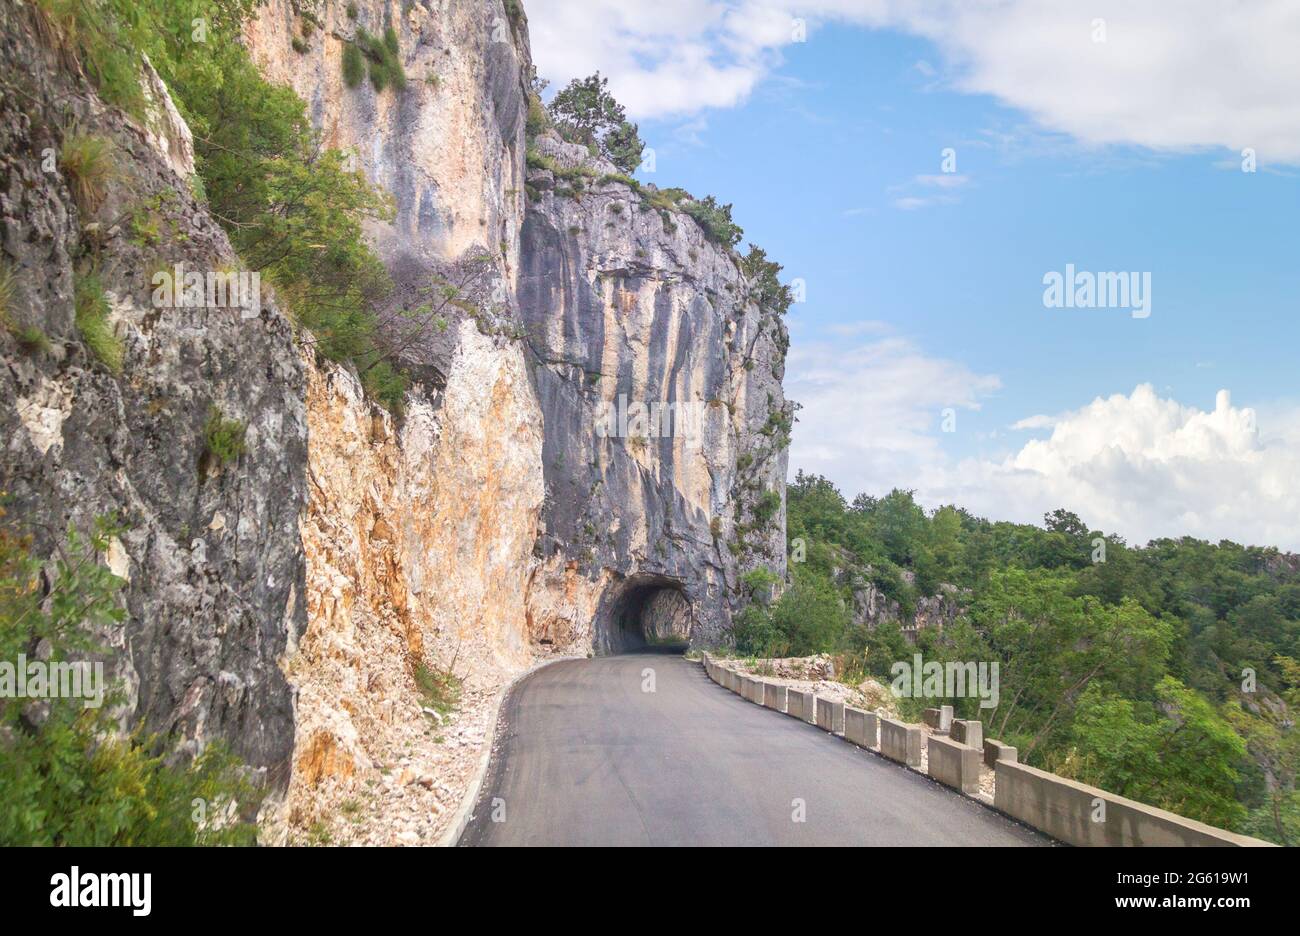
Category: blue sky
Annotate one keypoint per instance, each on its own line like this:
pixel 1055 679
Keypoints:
pixel 924 288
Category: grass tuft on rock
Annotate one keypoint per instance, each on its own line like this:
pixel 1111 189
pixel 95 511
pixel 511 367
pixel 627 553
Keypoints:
pixel 91 311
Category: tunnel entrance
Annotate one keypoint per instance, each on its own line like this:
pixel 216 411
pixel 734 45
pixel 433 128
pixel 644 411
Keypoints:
pixel 645 612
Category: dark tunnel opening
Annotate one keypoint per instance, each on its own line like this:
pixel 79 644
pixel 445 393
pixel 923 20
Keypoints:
pixel 645 612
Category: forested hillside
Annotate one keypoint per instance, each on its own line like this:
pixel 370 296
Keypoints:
pixel 1166 673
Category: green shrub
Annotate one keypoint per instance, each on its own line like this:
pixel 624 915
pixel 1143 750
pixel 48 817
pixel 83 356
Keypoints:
pixel 767 506
pixel 223 438
pixel 91 312
pixel 765 287
pixel 8 290
pixel 88 167
pixel 299 45
pixel 715 219
pixel 354 67
pixel 439 688
pixel 71 779
pixel 31 339
pixel 383 58
pixel 538 119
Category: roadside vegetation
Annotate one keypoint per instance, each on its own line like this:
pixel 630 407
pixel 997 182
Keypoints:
pixel 67 777
pixel 1166 673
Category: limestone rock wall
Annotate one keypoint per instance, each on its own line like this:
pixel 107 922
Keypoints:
pixel 211 554
pixel 625 304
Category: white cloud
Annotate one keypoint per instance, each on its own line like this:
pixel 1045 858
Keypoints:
pixel 1199 73
pixel 1139 465
pixel 870 414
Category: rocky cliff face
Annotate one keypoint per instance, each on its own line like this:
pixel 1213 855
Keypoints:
pixel 629 309
pixel 211 553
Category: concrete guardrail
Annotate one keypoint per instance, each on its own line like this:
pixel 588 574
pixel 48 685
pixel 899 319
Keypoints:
pixel 862 728
pixel 995 751
pixel 901 742
pixel 1082 815
pixel 954 764
pixel 968 732
pixel 1071 812
pixel 830 716
pixel 798 704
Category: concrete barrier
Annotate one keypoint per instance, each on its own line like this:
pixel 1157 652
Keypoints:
pixel 1071 811
pixel 774 696
pixel 995 751
pixel 756 690
pixel 954 764
pixel 862 728
pixel 799 704
pixel 830 716
pixel 939 719
pixel 968 732
pixel 901 742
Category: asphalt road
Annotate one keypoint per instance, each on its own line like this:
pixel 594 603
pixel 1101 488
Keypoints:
pixel 586 757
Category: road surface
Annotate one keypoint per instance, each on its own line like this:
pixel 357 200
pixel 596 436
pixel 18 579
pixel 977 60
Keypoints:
pixel 586 757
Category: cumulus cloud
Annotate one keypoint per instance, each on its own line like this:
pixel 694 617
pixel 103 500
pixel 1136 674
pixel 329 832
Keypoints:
pixel 1170 77
pixel 1140 465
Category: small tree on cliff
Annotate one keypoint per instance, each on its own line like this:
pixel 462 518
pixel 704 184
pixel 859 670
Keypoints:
pixel 585 112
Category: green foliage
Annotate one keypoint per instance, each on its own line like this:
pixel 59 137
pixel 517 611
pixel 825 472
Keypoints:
pixel 1124 673
pixel 715 219
pixel 383 60
pixel 1177 753
pixel 68 778
pixel 31 339
pixel 809 617
pixel 538 119
pixel 8 293
pixel 586 113
pixel 439 688
pixel 766 508
pixel 87 163
pixel 223 438
pixel 766 289
pixel 354 66
pixel 91 312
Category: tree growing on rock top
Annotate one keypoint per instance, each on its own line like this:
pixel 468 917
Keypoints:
pixel 585 112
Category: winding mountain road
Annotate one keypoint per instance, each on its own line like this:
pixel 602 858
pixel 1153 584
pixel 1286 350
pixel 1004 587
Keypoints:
pixel 586 756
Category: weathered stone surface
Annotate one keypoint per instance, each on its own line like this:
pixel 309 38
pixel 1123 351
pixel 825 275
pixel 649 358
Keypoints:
pixel 621 302
pixel 211 554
